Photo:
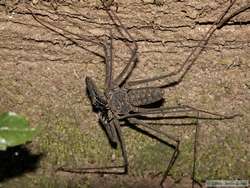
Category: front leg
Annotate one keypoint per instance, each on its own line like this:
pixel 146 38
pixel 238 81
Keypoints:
pixel 162 137
pixel 177 76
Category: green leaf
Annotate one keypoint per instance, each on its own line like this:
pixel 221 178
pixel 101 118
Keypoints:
pixel 14 130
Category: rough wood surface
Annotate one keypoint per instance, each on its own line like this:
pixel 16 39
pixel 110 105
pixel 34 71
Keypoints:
pixel 42 76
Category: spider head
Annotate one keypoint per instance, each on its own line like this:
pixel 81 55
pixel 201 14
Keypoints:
pixel 97 99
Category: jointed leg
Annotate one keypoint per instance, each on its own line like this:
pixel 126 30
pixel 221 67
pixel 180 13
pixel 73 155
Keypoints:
pixel 122 144
pixel 174 145
pixel 195 152
pixel 226 19
pixel 177 112
pixel 108 169
pixel 176 76
pixel 184 111
pixel 108 61
pixel 120 79
pixel 68 35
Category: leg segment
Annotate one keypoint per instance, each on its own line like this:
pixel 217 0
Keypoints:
pixel 68 35
pixel 108 61
pixel 108 169
pixel 184 111
pixel 194 181
pixel 122 144
pixel 177 76
pixel 121 78
pixel 174 145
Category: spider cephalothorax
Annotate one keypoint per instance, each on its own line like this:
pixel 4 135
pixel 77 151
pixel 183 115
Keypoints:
pixel 122 101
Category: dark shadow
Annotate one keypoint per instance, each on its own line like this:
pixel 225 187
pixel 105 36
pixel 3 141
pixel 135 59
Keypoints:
pixel 154 105
pixel 16 161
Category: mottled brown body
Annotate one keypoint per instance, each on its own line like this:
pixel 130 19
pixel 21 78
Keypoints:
pixel 123 101
pixel 144 96
pixel 118 101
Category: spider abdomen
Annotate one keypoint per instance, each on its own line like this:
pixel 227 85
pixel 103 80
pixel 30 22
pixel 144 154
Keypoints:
pixel 144 96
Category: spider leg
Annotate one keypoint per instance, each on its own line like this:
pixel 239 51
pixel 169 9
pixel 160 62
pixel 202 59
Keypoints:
pixel 122 144
pixel 108 61
pixel 68 35
pixel 174 145
pixel 183 111
pixel 226 19
pixel 177 112
pixel 194 181
pixel 110 129
pixel 114 133
pixel 171 122
pixel 122 77
pixel 177 76
pixel 116 130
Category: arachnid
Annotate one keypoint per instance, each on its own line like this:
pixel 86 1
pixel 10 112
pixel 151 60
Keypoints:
pixel 122 103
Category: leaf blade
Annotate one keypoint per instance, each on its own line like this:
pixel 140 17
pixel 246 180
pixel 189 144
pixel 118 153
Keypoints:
pixel 14 130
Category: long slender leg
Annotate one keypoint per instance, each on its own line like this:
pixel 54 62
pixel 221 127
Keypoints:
pixel 122 144
pixel 194 181
pixel 108 61
pixel 107 46
pixel 174 145
pixel 176 76
pixel 62 32
pixel 107 169
pixel 226 19
pixel 177 112
pixel 171 122
pixel 121 78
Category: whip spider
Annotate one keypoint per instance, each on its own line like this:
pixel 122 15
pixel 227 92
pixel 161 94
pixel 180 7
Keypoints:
pixel 125 102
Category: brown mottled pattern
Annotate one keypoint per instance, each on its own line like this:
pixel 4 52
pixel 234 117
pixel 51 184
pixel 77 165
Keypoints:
pixel 144 96
pixel 118 101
